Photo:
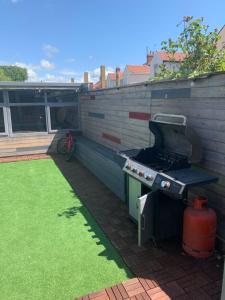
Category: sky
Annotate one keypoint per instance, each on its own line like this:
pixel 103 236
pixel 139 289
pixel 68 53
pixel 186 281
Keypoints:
pixel 59 39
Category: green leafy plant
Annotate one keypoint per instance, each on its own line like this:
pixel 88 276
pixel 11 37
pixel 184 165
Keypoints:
pixel 200 48
pixel 13 73
pixel 3 76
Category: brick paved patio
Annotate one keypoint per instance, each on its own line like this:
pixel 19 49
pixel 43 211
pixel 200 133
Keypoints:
pixel 159 273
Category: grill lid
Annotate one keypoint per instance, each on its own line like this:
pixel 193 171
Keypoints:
pixel 172 133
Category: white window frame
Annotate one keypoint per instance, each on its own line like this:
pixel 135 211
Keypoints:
pixel 47 105
pixel 61 104
pixel 3 105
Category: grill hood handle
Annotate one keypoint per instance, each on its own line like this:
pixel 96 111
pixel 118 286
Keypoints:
pixel 170 119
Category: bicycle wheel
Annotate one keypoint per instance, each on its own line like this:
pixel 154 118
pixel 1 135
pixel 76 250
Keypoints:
pixel 62 146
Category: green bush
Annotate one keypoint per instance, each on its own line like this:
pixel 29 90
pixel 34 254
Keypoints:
pixel 13 73
pixel 200 46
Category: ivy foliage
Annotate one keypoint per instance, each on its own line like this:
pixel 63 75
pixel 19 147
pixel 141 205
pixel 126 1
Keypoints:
pixel 13 73
pixel 200 48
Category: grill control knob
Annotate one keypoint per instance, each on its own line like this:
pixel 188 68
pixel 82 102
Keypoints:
pixel 134 170
pixel 148 177
pixel 165 184
pixel 141 174
pixel 128 167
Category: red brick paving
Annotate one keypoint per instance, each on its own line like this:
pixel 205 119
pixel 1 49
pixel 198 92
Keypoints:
pixel 159 273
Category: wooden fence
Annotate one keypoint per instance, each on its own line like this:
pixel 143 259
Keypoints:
pixel 118 118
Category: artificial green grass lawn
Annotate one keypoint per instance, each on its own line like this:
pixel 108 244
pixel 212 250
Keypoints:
pixel 50 246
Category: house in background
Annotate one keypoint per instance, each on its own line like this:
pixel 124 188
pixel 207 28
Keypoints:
pixel 163 57
pixel 114 79
pixel 221 42
pixel 101 84
pixel 136 74
pixel 149 58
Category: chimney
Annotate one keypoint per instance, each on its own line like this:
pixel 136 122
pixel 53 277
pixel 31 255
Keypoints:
pixel 102 76
pixel 86 75
pixel 149 58
pixel 72 80
pixel 117 76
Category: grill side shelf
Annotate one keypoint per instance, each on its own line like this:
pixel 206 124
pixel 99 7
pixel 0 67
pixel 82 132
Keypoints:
pixel 192 177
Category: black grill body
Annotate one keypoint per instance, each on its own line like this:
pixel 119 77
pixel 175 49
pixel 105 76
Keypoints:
pixel 165 172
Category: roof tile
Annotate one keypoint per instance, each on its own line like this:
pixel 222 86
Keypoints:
pixel 166 56
pixel 138 69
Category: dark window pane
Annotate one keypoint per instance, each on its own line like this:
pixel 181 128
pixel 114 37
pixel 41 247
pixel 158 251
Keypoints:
pixel 1 97
pixel 27 96
pixel 62 96
pixel 28 118
pixel 64 118
pixel 2 126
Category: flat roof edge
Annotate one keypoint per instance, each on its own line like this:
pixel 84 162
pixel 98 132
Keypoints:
pixel 38 85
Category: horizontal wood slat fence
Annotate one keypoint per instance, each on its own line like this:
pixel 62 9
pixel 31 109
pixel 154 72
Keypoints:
pixel 125 112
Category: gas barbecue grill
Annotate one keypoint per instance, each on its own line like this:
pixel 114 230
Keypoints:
pixel 158 177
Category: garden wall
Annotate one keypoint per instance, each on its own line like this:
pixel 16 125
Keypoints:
pixel 118 118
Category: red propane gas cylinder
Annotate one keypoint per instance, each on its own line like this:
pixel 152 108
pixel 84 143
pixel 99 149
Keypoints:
pixel 199 229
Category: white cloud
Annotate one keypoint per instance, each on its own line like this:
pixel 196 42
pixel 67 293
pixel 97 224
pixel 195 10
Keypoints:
pixel 50 50
pixel 54 78
pixel 31 70
pixel 95 74
pixel 35 73
pixel 68 73
pixel 46 71
pixel 46 65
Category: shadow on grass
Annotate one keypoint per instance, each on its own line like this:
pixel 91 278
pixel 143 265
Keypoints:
pixel 100 237
pixel 69 212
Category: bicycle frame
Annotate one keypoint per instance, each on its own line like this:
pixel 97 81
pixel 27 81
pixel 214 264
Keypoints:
pixel 69 141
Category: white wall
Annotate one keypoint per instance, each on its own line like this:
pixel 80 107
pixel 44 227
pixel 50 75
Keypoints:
pixel 129 78
pixel 110 83
pixel 157 61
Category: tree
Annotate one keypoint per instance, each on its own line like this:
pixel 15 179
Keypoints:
pixel 3 77
pixel 200 48
pixel 13 73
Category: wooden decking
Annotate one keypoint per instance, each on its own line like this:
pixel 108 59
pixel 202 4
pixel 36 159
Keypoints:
pixel 28 144
pixel 134 289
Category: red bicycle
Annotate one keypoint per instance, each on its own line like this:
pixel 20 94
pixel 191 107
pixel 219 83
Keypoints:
pixel 66 145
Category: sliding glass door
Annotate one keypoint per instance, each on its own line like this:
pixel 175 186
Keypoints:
pixel 63 110
pixel 28 119
pixel 38 111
